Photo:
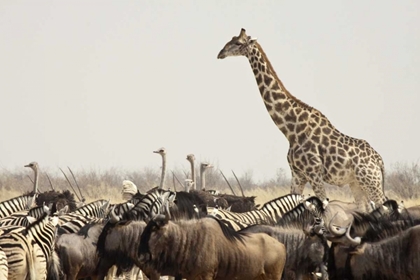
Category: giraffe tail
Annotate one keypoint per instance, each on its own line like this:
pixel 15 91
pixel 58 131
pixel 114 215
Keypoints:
pixel 383 178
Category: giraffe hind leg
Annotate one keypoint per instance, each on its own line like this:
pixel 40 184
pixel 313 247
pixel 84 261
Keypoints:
pixel 370 181
pixel 298 184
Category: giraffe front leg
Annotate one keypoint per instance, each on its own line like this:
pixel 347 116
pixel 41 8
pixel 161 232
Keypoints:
pixel 318 187
pixel 298 184
pixel 370 182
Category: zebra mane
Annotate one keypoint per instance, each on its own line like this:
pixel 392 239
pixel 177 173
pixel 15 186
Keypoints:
pixel 386 229
pixel 289 200
pixel 377 215
pixel 92 207
pixel 184 205
pixel 300 216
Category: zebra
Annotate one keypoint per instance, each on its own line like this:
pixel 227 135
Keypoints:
pixel 30 250
pixel 73 222
pixel 94 209
pixel 24 217
pixel 4 267
pixel 151 204
pixel 121 208
pixel 15 204
pixel 269 213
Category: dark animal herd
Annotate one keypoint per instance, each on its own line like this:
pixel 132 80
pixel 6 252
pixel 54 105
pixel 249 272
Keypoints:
pixel 171 233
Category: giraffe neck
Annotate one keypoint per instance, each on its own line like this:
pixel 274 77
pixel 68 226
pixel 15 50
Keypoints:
pixel 291 115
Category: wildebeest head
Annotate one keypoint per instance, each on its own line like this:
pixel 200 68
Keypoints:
pixel 154 231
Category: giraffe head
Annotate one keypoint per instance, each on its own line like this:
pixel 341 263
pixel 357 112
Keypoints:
pixel 239 45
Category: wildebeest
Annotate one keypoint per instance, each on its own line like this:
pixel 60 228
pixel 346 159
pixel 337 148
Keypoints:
pixel 207 249
pixel 339 253
pixel 396 257
pixel 118 245
pixel 239 204
pixel 307 251
pixel 77 251
pixel 364 222
pixel 183 206
pixel 413 211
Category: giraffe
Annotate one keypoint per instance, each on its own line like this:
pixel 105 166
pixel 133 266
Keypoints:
pixel 318 152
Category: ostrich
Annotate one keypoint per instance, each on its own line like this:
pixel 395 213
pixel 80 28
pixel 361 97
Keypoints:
pixel 129 189
pixel 162 152
pixel 189 185
pixel 191 159
pixel 203 169
pixel 59 199
pixel 34 166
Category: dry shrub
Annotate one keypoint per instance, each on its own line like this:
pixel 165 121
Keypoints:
pixel 402 183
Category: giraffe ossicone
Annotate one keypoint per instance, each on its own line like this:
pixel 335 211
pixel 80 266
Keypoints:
pixel 318 152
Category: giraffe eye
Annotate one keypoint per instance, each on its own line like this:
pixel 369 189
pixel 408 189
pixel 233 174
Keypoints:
pixel 238 43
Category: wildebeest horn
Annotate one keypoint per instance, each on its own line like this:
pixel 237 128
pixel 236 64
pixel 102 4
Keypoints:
pixel 105 205
pixel 45 208
pixel 346 239
pixel 353 241
pixel 113 218
pixel 63 210
pixel 336 230
pixel 318 227
pixel 309 205
pixel 130 205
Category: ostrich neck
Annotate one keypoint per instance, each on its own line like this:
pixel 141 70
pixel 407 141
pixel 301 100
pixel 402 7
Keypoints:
pixel 162 178
pixel 203 179
pixel 194 187
pixel 36 180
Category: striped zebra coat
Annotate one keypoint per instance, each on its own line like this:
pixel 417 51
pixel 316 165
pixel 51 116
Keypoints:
pixel 24 217
pixel 16 204
pixel 29 250
pixel 4 267
pixel 270 213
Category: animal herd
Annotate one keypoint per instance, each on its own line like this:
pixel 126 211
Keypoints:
pixel 200 234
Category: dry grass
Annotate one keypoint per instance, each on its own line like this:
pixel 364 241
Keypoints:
pixel 402 183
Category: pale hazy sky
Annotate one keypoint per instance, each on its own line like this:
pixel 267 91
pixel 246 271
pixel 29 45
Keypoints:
pixel 99 84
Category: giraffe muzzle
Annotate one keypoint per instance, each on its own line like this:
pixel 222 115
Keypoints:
pixel 221 55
